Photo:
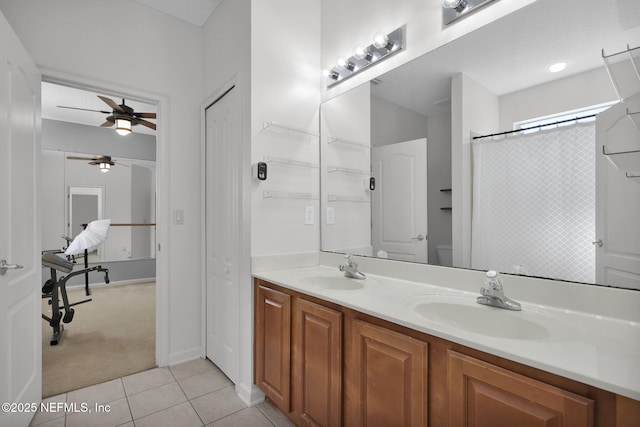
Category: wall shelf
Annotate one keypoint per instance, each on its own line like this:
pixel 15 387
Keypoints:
pixel 343 198
pixel 635 117
pixel 622 64
pixel 267 194
pixel 331 140
pixel 333 169
pixel 270 159
pixel 288 129
pixel 624 160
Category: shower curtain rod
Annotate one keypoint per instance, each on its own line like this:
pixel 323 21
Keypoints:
pixel 575 119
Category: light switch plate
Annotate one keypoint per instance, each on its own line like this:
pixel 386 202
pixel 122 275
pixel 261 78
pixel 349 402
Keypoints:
pixel 309 215
pixel 331 216
pixel 178 216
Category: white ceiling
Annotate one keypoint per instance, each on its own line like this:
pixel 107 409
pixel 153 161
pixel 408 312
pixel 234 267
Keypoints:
pixel 514 52
pixel 194 11
pixel 509 55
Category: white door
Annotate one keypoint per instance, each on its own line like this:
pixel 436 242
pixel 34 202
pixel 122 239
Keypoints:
pixel 399 202
pixel 20 298
pixel 618 197
pixel 223 180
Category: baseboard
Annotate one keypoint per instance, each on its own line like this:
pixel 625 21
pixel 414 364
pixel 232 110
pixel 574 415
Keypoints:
pixel 185 356
pixel 118 283
pixel 249 394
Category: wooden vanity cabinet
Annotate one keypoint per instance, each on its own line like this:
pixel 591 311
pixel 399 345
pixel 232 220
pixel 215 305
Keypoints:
pixel 298 356
pixel 385 377
pixel 326 365
pixel 316 382
pixel 484 395
pixel 272 312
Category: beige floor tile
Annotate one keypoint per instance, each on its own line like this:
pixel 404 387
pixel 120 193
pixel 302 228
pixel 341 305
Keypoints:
pixel 219 404
pixel 274 415
pixel 249 417
pixel 99 393
pixel 147 380
pixel 199 385
pixel 47 417
pixel 193 367
pixel 58 422
pixel 118 413
pixel 182 415
pixel 156 399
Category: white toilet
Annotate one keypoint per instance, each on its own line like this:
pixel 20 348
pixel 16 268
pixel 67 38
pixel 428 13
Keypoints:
pixel 444 255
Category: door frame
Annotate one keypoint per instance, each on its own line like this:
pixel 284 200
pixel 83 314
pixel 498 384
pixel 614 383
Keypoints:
pixel 163 207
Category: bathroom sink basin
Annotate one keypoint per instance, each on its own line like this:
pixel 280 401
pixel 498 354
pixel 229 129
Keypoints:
pixel 490 321
pixel 334 283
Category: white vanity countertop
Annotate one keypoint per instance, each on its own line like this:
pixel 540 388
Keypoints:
pixel 597 350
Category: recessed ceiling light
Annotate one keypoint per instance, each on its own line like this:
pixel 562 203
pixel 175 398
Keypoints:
pixel 557 67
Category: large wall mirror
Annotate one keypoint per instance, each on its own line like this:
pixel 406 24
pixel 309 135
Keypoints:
pixel 402 177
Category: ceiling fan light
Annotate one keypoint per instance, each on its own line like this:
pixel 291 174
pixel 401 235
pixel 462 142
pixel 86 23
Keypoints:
pixel 105 167
pixel 123 126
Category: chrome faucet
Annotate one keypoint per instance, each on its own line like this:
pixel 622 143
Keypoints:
pixel 351 269
pixel 493 295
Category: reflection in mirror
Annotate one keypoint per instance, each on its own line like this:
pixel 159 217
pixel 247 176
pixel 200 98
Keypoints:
pixel 489 81
pixel 125 195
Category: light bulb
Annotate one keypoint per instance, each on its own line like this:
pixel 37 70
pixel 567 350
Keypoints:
pixel 105 167
pixel 341 61
pixel 123 126
pixel 458 5
pixel 359 52
pixel 380 40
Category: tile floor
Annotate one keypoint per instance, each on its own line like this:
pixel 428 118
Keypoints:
pixel 194 393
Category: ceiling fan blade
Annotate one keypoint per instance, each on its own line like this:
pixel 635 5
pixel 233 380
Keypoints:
pixel 80 158
pixel 111 103
pixel 106 124
pixel 84 109
pixel 145 115
pixel 147 124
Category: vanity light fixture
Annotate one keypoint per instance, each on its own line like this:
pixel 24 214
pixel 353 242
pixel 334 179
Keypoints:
pixel 455 9
pixel 105 167
pixel 123 126
pixel 382 46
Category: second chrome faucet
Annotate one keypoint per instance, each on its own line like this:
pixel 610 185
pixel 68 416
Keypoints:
pixel 493 295
pixel 351 269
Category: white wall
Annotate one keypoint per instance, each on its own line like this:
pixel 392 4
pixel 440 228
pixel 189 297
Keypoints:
pixel 439 178
pixel 285 80
pixel 77 40
pixel 474 111
pixel 391 123
pixel 558 96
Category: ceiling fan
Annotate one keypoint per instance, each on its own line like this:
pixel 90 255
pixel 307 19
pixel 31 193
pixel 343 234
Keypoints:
pixel 105 162
pixel 122 116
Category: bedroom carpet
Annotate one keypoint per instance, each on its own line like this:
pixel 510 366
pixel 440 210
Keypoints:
pixel 110 337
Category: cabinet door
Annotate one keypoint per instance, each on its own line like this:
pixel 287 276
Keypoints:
pixel 273 345
pixel 484 395
pixel 317 364
pixel 386 378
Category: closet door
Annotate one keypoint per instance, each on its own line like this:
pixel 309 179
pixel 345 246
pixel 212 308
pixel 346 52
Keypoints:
pixel 223 247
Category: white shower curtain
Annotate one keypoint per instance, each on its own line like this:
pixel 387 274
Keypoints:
pixel 534 203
